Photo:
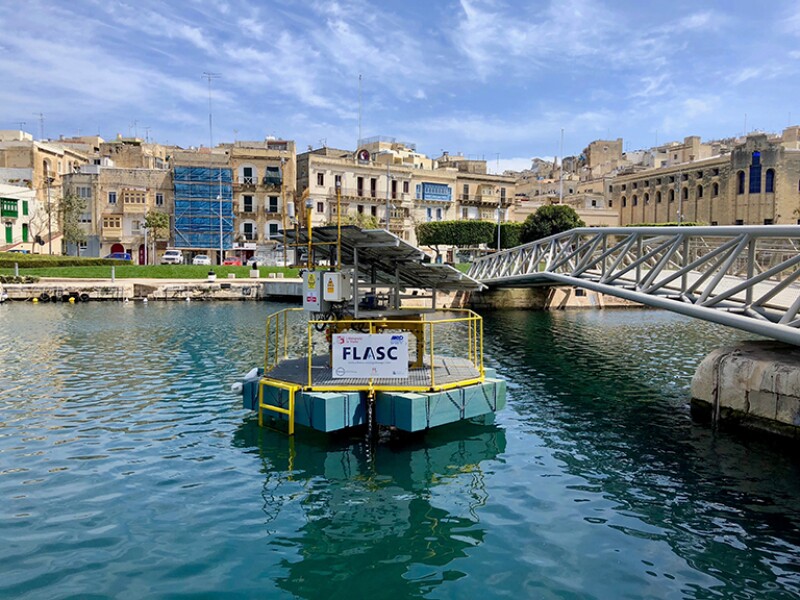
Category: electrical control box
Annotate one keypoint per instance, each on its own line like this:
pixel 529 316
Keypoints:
pixel 312 292
pixel 337 287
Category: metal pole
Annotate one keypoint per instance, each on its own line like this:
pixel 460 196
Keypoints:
pixel 49 211
pixel 220 216
pixel 561 171
pixel 499 210
pixel 339 225
pixel 388 185
pixel 145 242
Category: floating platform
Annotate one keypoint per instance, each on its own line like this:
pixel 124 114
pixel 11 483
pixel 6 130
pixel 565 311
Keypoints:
pixel 407 411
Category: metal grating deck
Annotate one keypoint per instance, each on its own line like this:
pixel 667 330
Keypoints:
pixel 446 370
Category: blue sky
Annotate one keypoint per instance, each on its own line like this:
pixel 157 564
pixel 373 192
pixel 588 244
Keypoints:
pixel 481 77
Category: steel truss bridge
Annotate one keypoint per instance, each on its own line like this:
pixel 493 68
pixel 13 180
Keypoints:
pixel 742 276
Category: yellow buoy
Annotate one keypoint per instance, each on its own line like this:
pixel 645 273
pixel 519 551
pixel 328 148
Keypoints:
pixel 71 300
pixel 35 300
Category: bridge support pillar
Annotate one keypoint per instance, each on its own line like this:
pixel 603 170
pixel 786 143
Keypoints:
pixel 535 298
pixel 753 384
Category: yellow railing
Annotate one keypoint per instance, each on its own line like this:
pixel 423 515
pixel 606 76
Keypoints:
pixel 459 338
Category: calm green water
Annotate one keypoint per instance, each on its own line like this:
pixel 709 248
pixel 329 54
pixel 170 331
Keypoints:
pixel 128 470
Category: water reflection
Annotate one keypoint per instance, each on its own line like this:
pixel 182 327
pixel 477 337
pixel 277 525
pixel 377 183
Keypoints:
pixel 402 515
pixel 600 391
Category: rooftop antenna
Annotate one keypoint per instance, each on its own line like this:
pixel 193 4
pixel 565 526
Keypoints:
pixel 358 142
pixel 147 134
pixel 41 125
pixel 210 76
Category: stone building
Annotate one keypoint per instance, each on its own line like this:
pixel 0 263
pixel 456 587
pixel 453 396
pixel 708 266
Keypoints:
pixel 757 182
pixel 18 207
pixel 264 179
pixel 40 166
pixel 117 202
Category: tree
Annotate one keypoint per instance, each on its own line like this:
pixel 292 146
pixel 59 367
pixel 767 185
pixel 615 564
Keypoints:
pixel 510 235
pixel 72 207
pixel 157 223
pixel 362 220
pixel 548 220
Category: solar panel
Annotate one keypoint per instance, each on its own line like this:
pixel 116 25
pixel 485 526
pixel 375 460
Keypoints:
pixel 384 258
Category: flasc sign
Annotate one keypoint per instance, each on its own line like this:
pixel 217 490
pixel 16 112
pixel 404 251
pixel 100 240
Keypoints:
pixel 370 355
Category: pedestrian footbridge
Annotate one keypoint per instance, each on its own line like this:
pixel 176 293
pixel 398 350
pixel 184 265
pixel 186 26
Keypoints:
pixel 741 276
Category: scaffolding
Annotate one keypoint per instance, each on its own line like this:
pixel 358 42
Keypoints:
pixel 200 193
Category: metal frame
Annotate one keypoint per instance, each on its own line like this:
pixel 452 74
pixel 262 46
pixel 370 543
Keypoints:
pixel 742 276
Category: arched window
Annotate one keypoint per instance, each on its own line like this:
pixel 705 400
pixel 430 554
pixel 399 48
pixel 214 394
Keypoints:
pixel 249 230
pixel 755 174
pixel 715 189
pixel 740 182
pixel 699 191
pixel 685 193
pixel 646 198
pixel 658 197
pixel 624 202
pixel 635 200
pixel 769 183
pixel 672 195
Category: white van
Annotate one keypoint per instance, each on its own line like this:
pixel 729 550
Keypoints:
pixel 172 257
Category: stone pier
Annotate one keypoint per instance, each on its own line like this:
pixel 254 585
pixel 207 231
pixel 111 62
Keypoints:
pixel 545 298
pixel 753 384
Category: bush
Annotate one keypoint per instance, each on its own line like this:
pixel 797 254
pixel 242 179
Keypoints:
pixel 455 233
pixel 18 279
pixel 34 261
pixel 510 235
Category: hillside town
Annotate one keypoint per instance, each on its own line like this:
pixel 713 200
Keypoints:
pixel 234 199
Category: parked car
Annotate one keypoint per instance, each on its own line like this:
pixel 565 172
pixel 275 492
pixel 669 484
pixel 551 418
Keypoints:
pixel 172 257
pixel 201 259
pixel 119 256
pixel 259 259
pixel 232 261
pixel 20 251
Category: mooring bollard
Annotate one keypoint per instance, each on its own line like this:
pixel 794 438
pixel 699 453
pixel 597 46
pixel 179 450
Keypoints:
pixel 16 269
pixel 112 274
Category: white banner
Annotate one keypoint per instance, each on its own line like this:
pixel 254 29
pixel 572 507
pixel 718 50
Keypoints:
pixel 370 355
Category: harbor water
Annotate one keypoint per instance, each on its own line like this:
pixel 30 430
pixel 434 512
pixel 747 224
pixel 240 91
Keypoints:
pixel 129 470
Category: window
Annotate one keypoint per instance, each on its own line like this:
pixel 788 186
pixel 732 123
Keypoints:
pixel 405 187
pixel 24 208
pixel 360 209
pixel 465 213
pixel 658 180
pixel 739 222
pixel 85 218
pixel 769 183
pixel 610 189
pixel 768 221
pixel 373 210
pixel 624 202
pixel 685 177
pixel 658 197
pixel 699 174
pixel 159 199
pixel 112 197
pixel 635 184
pixel 465 192
pixel 438 214
pixel 248 230
pixel 360 186
pixel 394 188
pixel 594 203
pixel 646 182
pixel 247 176
pixel 24 232
pixel 83 191
pixel 715 189
pixel 337 181
pixel 136 226
pixel 272 204
pixel 503 194
pixel 272 230
pixel 247 204
pixel 112 222
pixel 699 191
pixel 320 178
pixel 715 172
pixel 672 178
pixel 755 173
pixel 272 176
pixel 610 204
pixel 373 187
pixel 635 200
pixel 740 182
pixel 9 234
pixel 685 193
pixel 624 187
pixel 647 198
pixel 672 195
pixel 320 207
pixel 8 208
pixel 429 214
pixel 714 223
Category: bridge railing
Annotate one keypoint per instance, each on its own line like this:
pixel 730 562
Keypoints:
pixel 748 270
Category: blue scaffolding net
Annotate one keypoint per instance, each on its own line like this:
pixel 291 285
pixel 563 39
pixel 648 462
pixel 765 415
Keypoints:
pixel 203 207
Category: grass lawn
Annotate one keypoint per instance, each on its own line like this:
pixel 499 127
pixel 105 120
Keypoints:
pixel 463 267
pixel 127 271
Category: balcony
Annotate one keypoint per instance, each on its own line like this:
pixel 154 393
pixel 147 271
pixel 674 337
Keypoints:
pixel 272 180
pixel 9 209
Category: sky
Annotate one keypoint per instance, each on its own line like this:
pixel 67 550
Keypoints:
pixel 490 79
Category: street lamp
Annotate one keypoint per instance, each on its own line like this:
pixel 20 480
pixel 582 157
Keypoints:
pixel 499 213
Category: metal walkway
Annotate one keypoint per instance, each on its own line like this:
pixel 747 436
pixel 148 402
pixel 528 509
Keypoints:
pixel 741 276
